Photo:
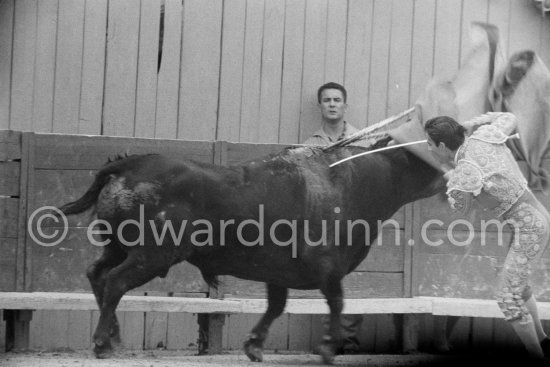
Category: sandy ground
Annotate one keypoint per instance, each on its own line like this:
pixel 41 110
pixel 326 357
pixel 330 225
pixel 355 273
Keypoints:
pixel 173 359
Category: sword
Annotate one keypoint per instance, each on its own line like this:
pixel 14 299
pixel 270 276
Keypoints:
pixel 377 150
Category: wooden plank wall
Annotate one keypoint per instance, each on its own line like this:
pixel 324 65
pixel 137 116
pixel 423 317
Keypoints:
pixel 234 70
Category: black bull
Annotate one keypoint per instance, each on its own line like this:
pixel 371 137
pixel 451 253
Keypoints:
pixel 295 197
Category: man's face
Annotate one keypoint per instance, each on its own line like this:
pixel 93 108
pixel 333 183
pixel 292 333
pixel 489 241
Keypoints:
pixel 332 105
pixel 440 152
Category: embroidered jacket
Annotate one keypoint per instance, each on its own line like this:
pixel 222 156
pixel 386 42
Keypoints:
pixel 485 164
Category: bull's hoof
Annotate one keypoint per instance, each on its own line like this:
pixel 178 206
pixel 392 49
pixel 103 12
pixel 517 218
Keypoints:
pixel 102 354
pixel 326 351
pixel 116 341
pixel 254 350
pixel 103 350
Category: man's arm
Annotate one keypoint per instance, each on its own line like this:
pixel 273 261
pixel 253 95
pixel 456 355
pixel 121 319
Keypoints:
pixel 504 121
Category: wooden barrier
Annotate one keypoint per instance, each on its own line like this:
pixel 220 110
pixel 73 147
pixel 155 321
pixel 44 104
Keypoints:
pixel 399 276
pixel 437 306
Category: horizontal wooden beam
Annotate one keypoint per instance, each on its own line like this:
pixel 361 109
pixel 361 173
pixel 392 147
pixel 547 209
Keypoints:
pixel 475 307
pixel 432 305
pixel 85 301
pixel 351 306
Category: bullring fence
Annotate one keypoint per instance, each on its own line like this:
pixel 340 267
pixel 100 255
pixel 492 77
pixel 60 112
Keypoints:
pixel 410 286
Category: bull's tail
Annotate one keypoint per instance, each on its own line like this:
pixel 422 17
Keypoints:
pixel 89 199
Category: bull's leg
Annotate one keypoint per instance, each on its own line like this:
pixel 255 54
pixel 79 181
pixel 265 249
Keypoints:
pixel 276 301
pixel 133 272
pixel 332 291
pixel 97 275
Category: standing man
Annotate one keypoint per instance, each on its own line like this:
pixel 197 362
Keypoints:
pixel 332 99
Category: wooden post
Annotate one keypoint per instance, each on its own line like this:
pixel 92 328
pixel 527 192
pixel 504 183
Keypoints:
pixel 410 321
pixel 26 186
pixel 17 329
pixel 440 342
pixel 410 333
pixel 202 342
pixel 443 327
pixel 215 332
pixel 210 333
pixel 17 326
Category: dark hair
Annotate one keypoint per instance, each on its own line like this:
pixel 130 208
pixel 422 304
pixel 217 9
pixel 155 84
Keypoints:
pixel 445 129
pixel 332 85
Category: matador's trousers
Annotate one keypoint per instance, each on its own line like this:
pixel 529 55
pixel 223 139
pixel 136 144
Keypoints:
pixel 530 222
